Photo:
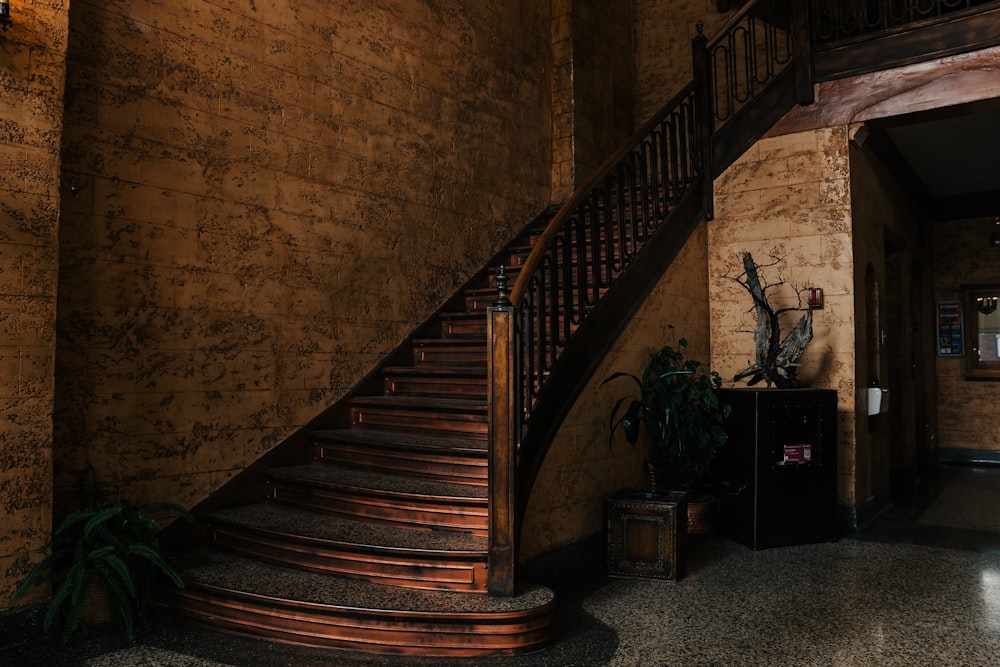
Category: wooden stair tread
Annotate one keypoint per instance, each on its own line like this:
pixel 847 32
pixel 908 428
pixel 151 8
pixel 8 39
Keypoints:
pixel 450 342
pixel 275 518
pixel 464 315
pixel 402 440
pixel 426 403
pixel 465 371
pixel 319 474
pixel 316 609
pixel 221 570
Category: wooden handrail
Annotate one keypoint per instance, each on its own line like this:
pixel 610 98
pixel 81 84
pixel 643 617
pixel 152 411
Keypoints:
pixel 555 225
pixel 567 209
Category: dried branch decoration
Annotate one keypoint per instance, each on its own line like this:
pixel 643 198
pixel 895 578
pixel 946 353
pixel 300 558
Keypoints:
pixel 777 359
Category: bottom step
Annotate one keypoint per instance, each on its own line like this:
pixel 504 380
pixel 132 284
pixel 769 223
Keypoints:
pixel 263 600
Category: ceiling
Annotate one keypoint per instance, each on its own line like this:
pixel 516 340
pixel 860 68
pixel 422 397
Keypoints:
pixel 949 159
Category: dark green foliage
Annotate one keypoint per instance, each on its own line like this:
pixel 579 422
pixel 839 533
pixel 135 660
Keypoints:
pixel 679 405
pixel 111 545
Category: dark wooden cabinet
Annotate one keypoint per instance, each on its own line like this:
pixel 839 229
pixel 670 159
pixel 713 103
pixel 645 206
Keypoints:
pixel 782 450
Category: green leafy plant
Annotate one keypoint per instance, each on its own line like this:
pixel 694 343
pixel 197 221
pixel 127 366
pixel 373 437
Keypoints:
pixel 112 545
pixel 679 410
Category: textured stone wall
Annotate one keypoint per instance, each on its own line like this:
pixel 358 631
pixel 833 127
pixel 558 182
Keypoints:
pixel 966 409
pixel 32 70
pixel 266 200
pixel 663 34
pixel 592 88
pixel 582 470
pixel 603 81
pixel 790 196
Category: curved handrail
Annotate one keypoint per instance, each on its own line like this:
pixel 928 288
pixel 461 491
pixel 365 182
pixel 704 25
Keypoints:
pixel 544 240
pixel 555 225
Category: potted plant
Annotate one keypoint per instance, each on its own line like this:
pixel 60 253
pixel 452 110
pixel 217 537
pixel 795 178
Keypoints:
pixel 679 411
pixel 106 552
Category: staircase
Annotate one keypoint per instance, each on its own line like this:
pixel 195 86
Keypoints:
pixel 379 542
pixel 398 532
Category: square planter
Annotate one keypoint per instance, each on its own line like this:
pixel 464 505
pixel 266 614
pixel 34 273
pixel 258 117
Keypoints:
pixel 647 535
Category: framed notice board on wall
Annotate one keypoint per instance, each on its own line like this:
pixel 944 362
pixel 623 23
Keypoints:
pixel 950 329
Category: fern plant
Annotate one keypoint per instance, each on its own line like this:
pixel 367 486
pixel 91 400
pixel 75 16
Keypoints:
pixel 112 545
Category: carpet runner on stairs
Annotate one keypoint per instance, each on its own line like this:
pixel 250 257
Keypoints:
pixel 379 544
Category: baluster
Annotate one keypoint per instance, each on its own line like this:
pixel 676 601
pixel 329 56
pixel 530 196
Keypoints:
pixel 802 50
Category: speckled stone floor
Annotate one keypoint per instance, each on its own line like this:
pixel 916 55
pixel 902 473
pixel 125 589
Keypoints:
pixel 922 587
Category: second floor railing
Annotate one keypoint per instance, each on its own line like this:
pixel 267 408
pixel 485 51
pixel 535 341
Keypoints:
pixel 837 20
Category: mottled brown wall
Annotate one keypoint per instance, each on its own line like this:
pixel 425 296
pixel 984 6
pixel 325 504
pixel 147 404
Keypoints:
pixel 268 199
pixel 32 70
pixel 966 409
pixel 790 196
pixel 593 87
pixel 581 470
pixel 663 34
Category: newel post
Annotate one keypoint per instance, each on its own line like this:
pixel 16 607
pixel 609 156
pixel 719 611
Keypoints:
pixel 704 112
pixel 502 381
pixel 802 52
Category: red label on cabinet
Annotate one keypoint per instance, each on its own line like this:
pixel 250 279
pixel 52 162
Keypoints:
pixel 798 453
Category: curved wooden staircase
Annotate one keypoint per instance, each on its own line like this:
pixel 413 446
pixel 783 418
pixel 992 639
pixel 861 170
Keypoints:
pixel 398 531
pixel 379 542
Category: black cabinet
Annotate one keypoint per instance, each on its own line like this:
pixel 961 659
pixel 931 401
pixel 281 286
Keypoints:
pixel 782 450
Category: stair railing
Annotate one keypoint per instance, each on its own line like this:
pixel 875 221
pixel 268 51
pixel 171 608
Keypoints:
pixel 593 241
pixel 589 243
pixel 585 274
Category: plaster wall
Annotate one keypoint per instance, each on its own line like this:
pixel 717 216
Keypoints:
pixel 582 468
pixel 789 197
pixel 592 88
pixel 966 409
pixel 264 203
pixel 32 73
pixel 662 48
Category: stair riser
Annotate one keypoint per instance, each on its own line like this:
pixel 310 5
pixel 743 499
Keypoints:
pixel 479 302
pixel 438 387
pixel 457 355
pixel 468 515
pixel 389 418
pixel 463 469
pixel 464 328
pixel 409 570
pixel 365 630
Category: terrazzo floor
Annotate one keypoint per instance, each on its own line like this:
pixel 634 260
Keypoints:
pixel 919 588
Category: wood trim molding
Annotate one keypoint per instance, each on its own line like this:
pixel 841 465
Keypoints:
pixel 949 81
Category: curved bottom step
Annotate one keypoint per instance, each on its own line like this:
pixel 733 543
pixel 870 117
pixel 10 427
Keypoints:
pixel 287 605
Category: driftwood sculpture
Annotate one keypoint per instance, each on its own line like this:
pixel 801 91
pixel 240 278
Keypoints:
pixel 777 359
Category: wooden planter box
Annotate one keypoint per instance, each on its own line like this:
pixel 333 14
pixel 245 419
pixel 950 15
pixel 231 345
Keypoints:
pixel 647 535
